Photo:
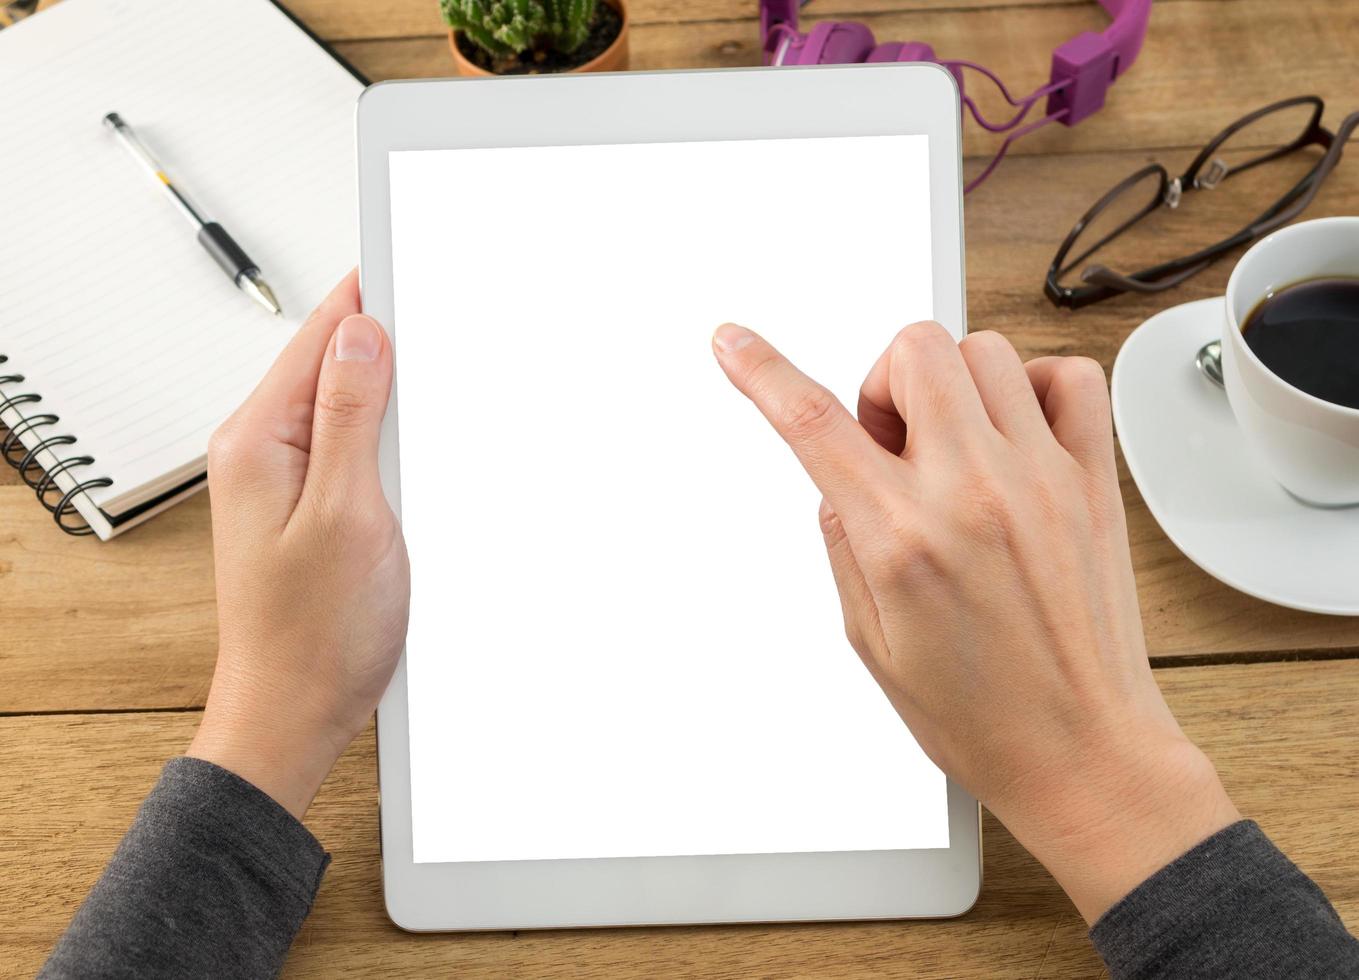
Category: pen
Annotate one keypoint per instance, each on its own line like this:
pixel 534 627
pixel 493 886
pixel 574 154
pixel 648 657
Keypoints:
pixel 212 236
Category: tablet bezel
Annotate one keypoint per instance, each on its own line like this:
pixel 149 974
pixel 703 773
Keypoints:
pixel 634 107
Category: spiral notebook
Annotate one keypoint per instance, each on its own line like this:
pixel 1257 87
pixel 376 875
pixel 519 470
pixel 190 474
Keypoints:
pixel 123 344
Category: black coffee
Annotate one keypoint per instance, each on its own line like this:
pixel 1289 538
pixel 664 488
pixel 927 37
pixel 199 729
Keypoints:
pixel 1308 334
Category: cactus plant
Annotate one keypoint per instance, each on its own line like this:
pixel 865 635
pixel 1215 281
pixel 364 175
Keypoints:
pixel 504 28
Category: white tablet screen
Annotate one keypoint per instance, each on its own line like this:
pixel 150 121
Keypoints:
pixel 624 635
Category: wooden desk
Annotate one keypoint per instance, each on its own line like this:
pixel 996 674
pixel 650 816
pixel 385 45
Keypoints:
pixel 107 648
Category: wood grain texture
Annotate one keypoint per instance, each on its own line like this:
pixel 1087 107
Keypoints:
pixel 131 623
pixel 87 624
pixel 84 633
pixel 342 20
pixel 1279 734
pixel 1205 62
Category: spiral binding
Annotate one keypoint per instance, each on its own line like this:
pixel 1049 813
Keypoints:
pixel 25 460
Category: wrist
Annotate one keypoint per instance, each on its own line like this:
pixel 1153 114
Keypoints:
pixel 285 751
pixel 1119 816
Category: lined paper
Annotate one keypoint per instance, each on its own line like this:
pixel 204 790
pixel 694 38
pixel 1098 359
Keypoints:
pixel 108 306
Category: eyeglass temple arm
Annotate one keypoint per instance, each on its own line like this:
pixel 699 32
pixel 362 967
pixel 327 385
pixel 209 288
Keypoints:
pixel 1100 275
pixel 1324 168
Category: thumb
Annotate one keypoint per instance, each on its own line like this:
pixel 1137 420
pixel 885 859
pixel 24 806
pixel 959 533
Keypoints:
pixel 351 398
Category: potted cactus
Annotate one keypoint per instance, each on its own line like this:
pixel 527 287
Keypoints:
pixel 518 37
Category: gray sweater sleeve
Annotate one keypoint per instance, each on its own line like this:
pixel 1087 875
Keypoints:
pixel 213 879
pixel 1232 907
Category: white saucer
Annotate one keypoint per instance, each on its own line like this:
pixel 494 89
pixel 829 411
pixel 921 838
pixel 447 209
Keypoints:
pixel 1202 482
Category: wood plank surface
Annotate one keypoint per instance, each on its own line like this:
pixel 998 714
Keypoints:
pixel 92 625
pixel 1281 735
pixel 131 623
pixel 1204 63
pixel 343 20
pixel 84 634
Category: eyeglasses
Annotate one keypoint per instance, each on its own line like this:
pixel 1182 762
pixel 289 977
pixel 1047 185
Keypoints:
pixel 1249 142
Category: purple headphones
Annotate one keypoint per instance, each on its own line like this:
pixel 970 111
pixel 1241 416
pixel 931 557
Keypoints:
pixel 1082 68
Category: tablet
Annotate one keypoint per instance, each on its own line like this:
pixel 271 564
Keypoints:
pixel 626 696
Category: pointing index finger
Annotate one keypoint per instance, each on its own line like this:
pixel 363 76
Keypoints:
pixel 833 448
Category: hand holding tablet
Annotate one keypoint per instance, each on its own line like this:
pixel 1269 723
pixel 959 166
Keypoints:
pixel 311 570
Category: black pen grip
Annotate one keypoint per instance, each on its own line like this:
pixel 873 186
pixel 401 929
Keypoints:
pixel 230 256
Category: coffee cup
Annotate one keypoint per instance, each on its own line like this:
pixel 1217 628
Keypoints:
pixel 1309 444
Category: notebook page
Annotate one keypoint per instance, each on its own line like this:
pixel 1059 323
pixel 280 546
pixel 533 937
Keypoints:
pixel 108 306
